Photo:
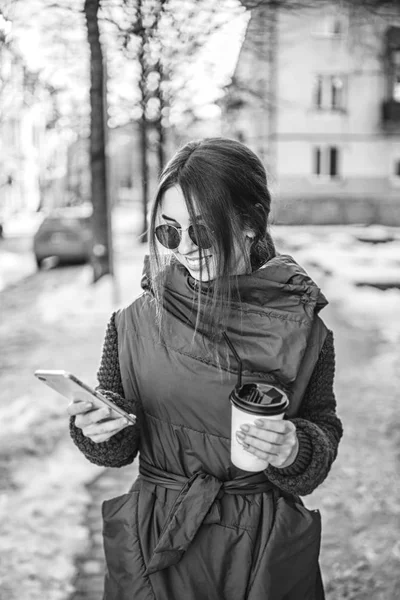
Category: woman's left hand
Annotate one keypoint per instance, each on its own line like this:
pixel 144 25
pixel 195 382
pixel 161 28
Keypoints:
pixel 274 441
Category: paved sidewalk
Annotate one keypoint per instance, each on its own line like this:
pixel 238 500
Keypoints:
pixel 91 566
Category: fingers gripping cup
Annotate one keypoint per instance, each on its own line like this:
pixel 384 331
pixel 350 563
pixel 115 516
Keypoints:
pixel 249 402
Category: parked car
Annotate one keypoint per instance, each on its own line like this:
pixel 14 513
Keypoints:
pixel 66 234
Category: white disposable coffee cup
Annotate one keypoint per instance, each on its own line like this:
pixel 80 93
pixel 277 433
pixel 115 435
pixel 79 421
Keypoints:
pixel 246 413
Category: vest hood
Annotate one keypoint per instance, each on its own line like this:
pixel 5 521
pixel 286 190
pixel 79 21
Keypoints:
pixel 279 276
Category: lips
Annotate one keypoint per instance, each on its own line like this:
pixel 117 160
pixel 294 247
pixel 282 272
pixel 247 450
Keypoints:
pixel 196 262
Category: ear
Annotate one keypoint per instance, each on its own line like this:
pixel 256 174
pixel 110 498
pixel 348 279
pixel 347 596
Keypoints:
pixel 250 234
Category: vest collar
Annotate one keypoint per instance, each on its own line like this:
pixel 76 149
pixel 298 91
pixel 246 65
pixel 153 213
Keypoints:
pixel 280 276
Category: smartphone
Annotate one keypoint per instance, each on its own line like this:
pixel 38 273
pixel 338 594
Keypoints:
pixel 71 387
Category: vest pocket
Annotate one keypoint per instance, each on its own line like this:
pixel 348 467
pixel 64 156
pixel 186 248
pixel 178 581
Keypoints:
pixel 288 565
pixel 123 553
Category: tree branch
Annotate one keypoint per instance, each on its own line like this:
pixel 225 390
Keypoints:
pixel 65 7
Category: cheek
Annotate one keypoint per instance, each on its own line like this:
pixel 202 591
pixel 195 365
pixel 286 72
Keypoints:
pixel 176 254
pixel 242 258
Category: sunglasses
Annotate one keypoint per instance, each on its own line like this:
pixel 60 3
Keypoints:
pixel 170 237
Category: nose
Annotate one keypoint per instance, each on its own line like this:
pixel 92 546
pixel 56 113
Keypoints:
pixel 186 244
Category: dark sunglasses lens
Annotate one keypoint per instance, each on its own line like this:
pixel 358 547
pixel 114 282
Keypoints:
pixel 168 236
pixel 202 239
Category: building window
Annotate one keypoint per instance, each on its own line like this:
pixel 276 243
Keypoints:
pixel 330 26
pixel 330 92
pixel 392 63
pixel 337 93
pixel 317 161
pixel 326 161
pixel 333 161
pixel 318 84
pixel 336 26
pixel 396 76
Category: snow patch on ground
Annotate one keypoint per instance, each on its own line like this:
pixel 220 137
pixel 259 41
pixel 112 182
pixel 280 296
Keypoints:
pixel 14 267
pixel 24 223
pixel 347 270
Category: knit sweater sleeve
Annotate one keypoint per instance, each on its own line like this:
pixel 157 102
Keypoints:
pixel 122 447
pixel 319 430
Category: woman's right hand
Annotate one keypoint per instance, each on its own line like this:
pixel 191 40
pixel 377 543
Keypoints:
pixel 97 424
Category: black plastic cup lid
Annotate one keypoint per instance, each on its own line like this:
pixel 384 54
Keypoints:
pixel 260 399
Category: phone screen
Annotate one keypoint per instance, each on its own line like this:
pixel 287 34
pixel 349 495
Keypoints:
pixel 71 387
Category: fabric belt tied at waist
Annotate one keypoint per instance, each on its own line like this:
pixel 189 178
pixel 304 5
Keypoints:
pixel 197 496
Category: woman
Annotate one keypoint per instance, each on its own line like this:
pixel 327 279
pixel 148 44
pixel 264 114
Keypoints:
pixel 194 526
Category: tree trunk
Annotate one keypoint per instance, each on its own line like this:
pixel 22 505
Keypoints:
pixel 101 249
pixel 144 176
pixel 143 121
pixel 160 145
pixel 161 138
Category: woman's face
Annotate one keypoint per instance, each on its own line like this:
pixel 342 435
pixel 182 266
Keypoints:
pixel 173 211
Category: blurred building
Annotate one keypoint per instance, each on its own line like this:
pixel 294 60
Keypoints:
pixel 316 93
pixel 33 146
pixel 22 129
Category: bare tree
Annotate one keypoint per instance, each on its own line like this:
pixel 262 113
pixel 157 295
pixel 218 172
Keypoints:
pixel 101 258
pixel 142 34
pixel 7 47
pixel 163 38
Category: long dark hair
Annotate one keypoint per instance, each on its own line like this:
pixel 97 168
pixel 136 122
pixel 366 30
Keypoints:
pixel 227 183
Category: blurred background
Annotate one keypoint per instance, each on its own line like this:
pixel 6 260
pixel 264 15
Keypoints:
pixel 95 97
